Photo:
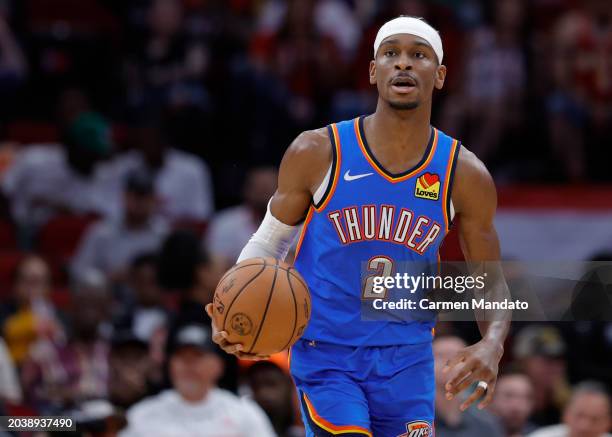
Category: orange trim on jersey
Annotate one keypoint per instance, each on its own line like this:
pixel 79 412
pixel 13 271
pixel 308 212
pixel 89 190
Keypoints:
pixel 303 233
pixel 446 184
pixel 391 179
pixel 336 174
pixel 329 427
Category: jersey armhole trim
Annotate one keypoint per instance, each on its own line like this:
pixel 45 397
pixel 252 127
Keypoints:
pixel 307 220
pixel 448 186
pixel 332 131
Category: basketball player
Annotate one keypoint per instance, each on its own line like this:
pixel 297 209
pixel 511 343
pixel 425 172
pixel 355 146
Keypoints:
pixel 380 190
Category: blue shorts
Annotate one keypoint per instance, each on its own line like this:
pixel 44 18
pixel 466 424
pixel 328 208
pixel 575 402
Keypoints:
pixel 381 391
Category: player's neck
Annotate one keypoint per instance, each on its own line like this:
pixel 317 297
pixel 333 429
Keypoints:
pixel 402 130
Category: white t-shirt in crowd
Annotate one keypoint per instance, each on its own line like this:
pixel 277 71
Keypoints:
pixel 41 176
pixel 109 246
pixel 183 184
pixel 220 414
pixel 9 382
pixel 229 231
pixel 556 431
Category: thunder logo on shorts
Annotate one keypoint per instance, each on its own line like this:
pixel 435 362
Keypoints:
pixel 418 428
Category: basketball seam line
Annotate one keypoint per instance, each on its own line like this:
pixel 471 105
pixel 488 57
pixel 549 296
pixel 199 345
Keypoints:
pixel 290 270
pixel 296 276
pixel 294 308
pixel 233 269
pixel 301 281
pixel 265 313
pixel 263 267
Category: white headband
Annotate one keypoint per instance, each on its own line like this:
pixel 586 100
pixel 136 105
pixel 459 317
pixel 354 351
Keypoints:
pixel 413 26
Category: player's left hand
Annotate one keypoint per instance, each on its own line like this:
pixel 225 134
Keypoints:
pixel 479 362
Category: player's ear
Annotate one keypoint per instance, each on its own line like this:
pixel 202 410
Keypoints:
pixel 440 77
pixel 372 72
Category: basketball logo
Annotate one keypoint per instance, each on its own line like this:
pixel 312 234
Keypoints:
pixel 241 324
pixel 228 286
pixel 428 186
pixel 418 428
pixel 219 305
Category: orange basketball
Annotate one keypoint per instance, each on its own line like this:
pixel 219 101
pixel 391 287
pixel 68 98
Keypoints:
pixel 263 304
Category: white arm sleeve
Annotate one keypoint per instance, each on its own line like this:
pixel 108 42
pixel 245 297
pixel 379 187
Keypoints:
pixel 272 239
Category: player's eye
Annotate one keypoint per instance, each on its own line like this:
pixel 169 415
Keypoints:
pixel 390 53
pixel 419 55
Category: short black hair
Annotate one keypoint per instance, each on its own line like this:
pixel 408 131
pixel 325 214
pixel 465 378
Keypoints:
pixel 261 366
pixel 180 256
pixel 144 259
pixel 139 182
pixel 591 387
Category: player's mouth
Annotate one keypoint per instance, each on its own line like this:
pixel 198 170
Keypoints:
pixel 403 84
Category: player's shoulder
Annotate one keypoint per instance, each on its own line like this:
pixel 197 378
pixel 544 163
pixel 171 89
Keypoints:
pixel 473 186
pixel 312 144
pixel 470 168
pixel 307 158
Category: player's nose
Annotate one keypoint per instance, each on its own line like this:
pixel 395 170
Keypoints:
pixel 403 62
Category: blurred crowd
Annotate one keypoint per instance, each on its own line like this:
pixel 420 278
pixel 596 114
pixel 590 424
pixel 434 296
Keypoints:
pixel 139 143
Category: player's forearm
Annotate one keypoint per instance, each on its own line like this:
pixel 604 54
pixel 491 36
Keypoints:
pixel 494 332
pixel 272 239
pixel 494 324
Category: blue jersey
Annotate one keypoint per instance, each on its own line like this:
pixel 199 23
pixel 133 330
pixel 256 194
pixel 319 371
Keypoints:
pixel 369 222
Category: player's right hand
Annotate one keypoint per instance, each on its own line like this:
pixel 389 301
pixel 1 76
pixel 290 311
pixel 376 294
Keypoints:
pixel 221 338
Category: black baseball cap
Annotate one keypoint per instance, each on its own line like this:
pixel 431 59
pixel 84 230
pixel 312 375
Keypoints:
pixel 140 182
pixel 127 337
pixel 539 340
pixel 195 335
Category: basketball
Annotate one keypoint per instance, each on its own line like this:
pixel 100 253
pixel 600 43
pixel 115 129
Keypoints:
pixel 263 304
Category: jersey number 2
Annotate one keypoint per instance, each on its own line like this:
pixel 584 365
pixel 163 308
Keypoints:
pixel 380 266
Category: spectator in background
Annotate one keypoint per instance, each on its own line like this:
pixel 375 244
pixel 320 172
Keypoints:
pixel 195 406
pixel 130 369
pixel 13 64
pixel 541 352
pixel 48 179
pixel 97 418
pixel 513 403
pixel 182 181
pixel 232 228
pixel 273 391
pixel 450 420
pixel 579 106
pixel 588 414
pixel 326 16
pixel 34 316
pixel 111 245
pixel 491 103
pixel 10 389
pixel 301 55
pixel 193 276
pixel 143 312
pixel 59 375
pixel 166 67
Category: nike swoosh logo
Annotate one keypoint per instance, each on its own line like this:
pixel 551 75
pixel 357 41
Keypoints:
pixel 348 177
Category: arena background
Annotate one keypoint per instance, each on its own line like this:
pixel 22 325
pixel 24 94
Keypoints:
pixel 185 107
